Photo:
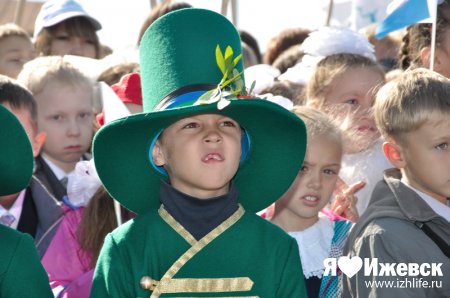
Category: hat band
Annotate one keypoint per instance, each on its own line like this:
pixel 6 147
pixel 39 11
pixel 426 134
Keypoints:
pixel 184 96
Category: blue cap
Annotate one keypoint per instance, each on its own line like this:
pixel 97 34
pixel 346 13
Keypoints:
pixel 55 11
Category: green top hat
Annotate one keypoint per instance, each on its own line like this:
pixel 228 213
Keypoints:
pixel 190 64
pixel 16 156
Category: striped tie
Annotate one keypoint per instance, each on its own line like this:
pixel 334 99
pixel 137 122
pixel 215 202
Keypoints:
pixel 7 219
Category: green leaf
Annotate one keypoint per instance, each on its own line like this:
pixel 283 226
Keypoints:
pixel 236 60
pixel 220 60
pixel 228 61
pixel 226 83
pixel 252 87
pixel 228 52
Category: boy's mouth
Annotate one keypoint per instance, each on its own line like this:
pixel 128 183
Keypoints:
pixel 72 148
pixel 211 157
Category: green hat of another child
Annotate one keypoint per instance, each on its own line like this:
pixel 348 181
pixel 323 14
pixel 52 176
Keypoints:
pixel 16 155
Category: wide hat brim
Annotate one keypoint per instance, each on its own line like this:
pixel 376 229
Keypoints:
pixel 16 155
pixel 277 148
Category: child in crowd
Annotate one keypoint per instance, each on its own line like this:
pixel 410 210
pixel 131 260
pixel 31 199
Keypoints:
pixel 415 49
pixel 65 113
pixel 63 27
pixel 195 166
pixel 89 216
pixel 344 86
pixel 32 210
pixel 21 273
pixel 16 49
pixel 298 210
pixel 408 220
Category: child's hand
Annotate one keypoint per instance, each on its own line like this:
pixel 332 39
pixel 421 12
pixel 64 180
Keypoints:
pixel 345 200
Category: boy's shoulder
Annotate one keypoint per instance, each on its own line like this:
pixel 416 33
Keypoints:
pixel 255 224
pixel 396 237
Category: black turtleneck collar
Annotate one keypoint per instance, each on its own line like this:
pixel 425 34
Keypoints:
pixel 198 216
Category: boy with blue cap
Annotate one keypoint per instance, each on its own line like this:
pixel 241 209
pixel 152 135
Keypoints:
pixel 195 166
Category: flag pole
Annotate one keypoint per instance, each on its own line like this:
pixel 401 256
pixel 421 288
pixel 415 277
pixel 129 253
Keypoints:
pixel 433 35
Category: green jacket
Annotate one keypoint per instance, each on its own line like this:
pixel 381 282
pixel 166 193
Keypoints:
pixel 248 258
pixel 21 273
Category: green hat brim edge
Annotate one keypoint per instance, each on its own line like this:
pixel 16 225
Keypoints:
pixel 121 153
pixel 16 161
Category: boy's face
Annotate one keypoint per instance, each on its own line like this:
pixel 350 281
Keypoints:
pixel 65 44
pixel 425 157
pixel 350 100
pixel 314 185
pixel 200 153
pixel 24 116
pixel 15 51
pixel 65 114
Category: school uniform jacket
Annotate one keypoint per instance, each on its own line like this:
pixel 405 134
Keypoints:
pixel 245 256
pixel 21 273
pixel 41 215
pixel 387 232
pixel 45 174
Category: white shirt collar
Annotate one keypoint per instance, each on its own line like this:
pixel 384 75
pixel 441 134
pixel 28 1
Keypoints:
pixel 59 173
pixel 441 209
pixel 15 210
pixel 314 245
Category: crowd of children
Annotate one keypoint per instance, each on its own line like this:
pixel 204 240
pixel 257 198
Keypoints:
pixel 187 178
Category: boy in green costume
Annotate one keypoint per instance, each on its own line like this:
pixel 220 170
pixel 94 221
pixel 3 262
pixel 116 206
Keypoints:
pixel 21 273
pixel 196 166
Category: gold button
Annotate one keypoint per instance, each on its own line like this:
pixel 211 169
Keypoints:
pixel 147 283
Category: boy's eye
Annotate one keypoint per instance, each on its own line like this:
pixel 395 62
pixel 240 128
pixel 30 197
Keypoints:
pixel 329 172
pixel 84 115
pixel 191 125
pixel 352 101
pixel 57 117
pixel 304 169
pixel 228 123
pixel 62 37
pixel 443 146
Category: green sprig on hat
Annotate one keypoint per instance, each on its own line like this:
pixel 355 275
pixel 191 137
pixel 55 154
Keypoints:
pixel 231 83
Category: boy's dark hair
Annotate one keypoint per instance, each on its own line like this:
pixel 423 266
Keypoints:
pixel 283 41
pixel 17 96
pixel 159 10
pixel 288 58
pixel 250 40
pixel 113 74
pixel 288 89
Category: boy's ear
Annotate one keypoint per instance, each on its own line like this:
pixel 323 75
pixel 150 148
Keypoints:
pixel 157 154
pixel 425 56
pixel 38 142
pixel 394 154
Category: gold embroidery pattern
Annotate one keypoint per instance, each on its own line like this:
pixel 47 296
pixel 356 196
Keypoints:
pixel 191 252
pixel 176 226
pixel 202 285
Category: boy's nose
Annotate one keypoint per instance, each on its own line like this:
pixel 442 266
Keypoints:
pixel 73 129
pixel 212 135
